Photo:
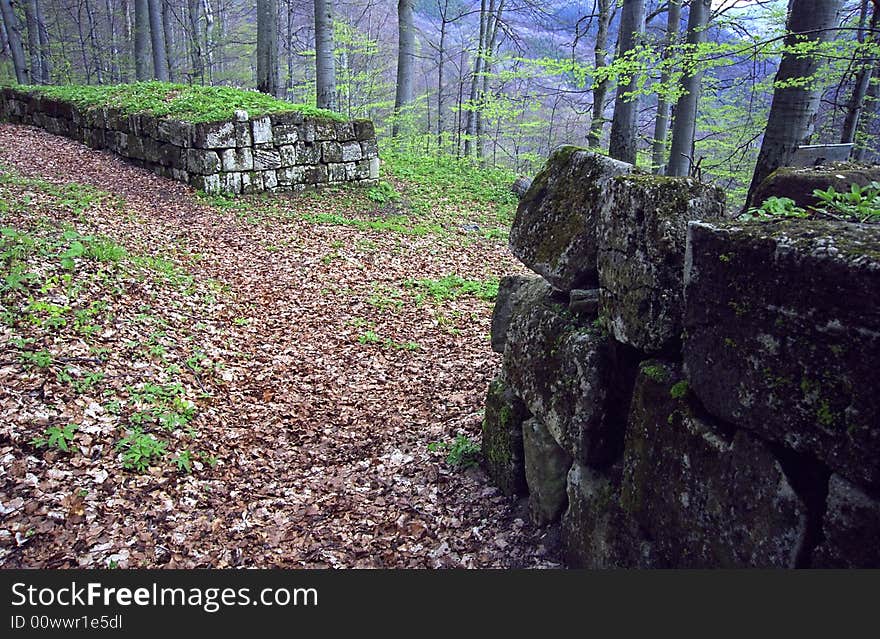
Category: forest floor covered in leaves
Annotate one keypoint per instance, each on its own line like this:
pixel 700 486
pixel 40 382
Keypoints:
pixel 200 382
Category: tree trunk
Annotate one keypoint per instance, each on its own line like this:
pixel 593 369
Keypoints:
pixel 624 126
pixel 869 115
pixel 597 125
pixel 406 55
pixel 33 41
pixel 168 31
pixel 494 19
pixel 141 40
pixel 13 36
pixel 863 80
pixel 209 39
pixel 267 46
pixel 45 53
pixel 93 43
pixel 661 124
pixel 157 39
pixel 470 119
pixel 794 106
pixel 441 68
pixel 681 153
pixel 325 62
pixel 195 42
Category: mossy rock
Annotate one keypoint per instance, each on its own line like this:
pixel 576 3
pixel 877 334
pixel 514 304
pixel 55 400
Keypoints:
pixel 798 184
pixel 503 440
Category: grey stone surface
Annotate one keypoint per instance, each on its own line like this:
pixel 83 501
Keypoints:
pixel 584 301
pixel 214 135
pixel 562 371
pixel 266 159
pixel 237 159
pixel 351 152
pixel 502 444
pixel 642 231
pixel 706 498
pixel 850 527
pixel 596 532
pixel 782 324
pixel 554 231
pixel 202 161
pixel 546 466
pixel 261 129
pixel 509 290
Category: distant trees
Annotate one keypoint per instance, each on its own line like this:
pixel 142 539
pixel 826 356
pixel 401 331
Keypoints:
pixel 605 12
pixel 797 92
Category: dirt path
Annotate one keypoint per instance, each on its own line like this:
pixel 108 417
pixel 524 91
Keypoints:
pixel 321 435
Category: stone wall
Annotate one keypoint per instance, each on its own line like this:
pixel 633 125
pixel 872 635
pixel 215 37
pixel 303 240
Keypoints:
pixel 680 389
pixel 280 152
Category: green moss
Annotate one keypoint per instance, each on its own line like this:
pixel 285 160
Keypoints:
pixel 729 343
pixel 824 414
pixel 679 389
pixel 655 373
pixel 189 103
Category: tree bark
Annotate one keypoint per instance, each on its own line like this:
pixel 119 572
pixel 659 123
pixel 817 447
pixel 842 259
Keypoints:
pixel 45 53
pixel 195 42
pixel 661 124
pixel 157 39
pixel 597 124
pixel 794 106
pixel 681 153
pixel 863 80
pixel 406 55
pixel 470 118
pixel 267 46
pixel 33 41
pixel 624 126
pixel 168 31
pixel 141 40
pixel 325 62
pixel 13 36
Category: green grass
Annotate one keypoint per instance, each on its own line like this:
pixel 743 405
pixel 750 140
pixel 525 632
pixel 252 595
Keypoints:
pixel 176 101
pixel 452 287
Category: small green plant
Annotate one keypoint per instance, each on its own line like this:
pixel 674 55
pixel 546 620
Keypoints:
pixel 58 437
pixel 139 450
pixel 462 452
pixel 655 372
pixel 369 337
pixel 383 193
pixel 776 207
pixel 679 389
pixel 183 461
pixel 452 287
pixel 40 359
pixel 859 204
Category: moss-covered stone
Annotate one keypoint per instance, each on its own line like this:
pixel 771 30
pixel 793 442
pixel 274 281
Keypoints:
pixel 562 370
pixel 554 231
pixel 596 532
pixel 503 440
pixel 546 465
pixel 642 234
pixel 706 498
pixel 798 184
pixel 851 528
pixel 512 291
pixel 808 381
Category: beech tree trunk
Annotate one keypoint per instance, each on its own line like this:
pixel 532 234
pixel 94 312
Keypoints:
pixel 794 106
pixel 863 80
pixel 681 153
pixel 661 124
pixel 13 36
pixel 325 62
pixel 597 125
pixel 406 55
pixel 624 126
pixel 267 46
pixel 141 40
pixel 157 39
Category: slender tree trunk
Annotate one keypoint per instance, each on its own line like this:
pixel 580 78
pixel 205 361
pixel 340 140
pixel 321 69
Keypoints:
pixel 93 43
pixel 491 43
pixel 863 80
pixel 471 119
pixel 441 68
pixel 141 40
pixel 33 41
pixel 661 124
pixel 209 39
pixel 267 46
pixel 869 115
pixel 624 126
pixel 406 55
pixel 325 62
pixel 157 39
pixel 681 153
pixel 794 106
pixel 13 35
pixel 45 52
pixel 195 41
pixel 168 32
pixel 600 91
